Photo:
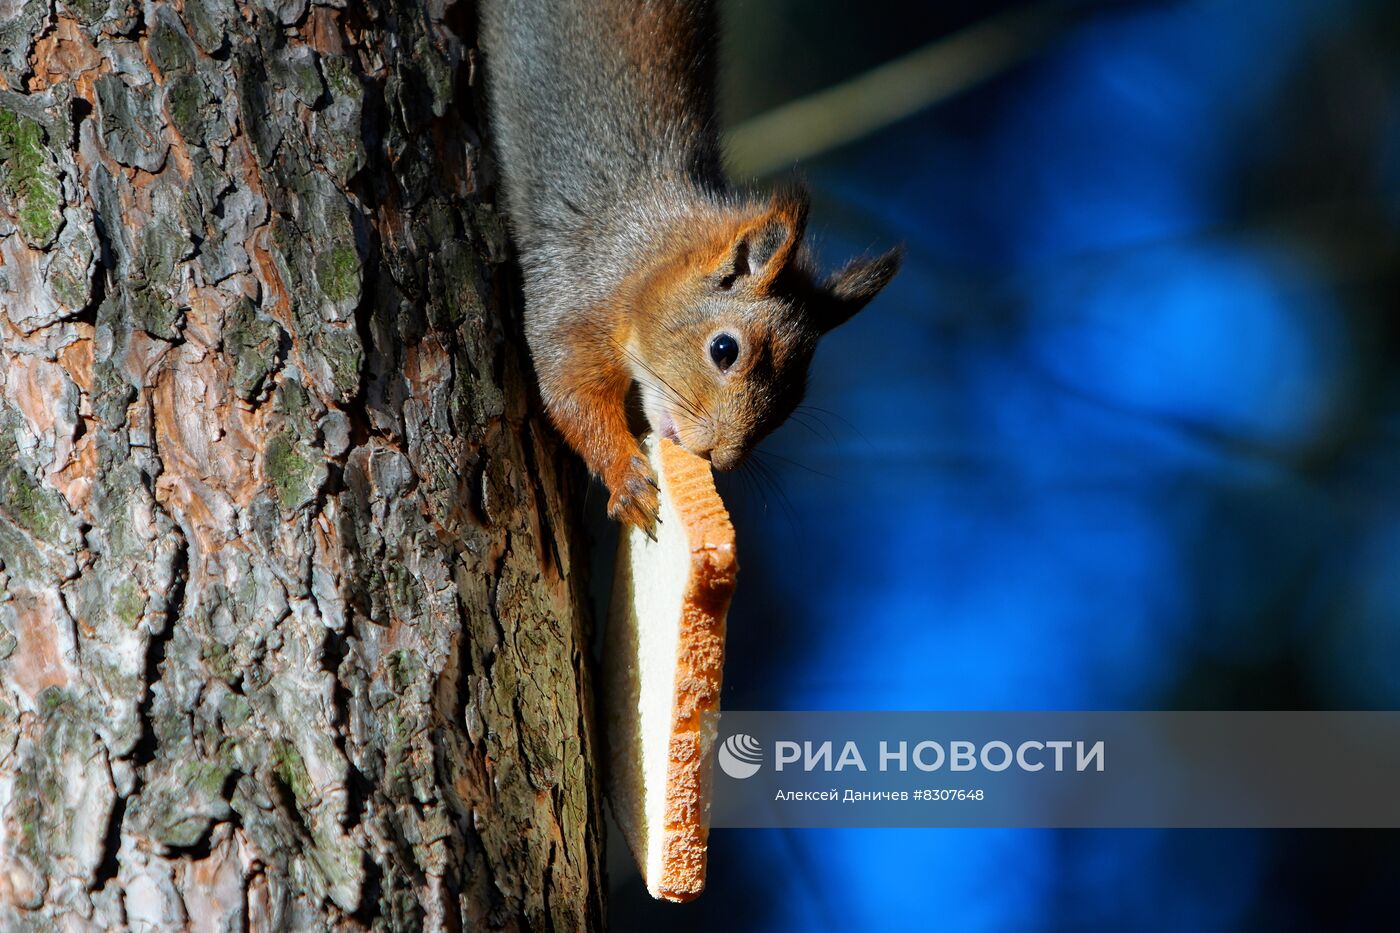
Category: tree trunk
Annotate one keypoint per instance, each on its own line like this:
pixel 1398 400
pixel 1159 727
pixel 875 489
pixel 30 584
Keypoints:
pixel 292 627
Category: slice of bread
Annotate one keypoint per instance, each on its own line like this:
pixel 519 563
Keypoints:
pixel 663 657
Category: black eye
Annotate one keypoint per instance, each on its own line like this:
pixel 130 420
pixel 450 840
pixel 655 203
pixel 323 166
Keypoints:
pixel 724 350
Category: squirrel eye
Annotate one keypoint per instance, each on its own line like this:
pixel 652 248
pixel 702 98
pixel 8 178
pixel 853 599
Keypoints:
pixel 724 350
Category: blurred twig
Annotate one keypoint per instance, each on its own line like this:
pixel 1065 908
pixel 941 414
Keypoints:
pixel 890 92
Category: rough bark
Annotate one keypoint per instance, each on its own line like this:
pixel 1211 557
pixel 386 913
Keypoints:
pixel 291 627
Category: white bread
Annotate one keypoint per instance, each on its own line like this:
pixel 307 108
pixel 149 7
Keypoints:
pixel 663 657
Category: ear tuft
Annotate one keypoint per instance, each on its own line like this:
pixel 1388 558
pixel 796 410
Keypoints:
pixel 766 244
pixel 851 289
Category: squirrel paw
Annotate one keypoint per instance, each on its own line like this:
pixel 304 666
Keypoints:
pixel 635 497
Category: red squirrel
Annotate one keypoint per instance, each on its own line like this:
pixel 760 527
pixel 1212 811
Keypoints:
pixel 642 264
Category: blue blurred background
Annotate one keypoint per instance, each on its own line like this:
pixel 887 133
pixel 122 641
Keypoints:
pixel 1124 434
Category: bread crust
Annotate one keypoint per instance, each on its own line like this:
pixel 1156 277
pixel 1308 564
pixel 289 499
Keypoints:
pixel 714 570
pixel 711 574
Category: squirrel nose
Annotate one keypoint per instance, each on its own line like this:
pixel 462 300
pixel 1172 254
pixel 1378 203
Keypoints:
pixel 726 459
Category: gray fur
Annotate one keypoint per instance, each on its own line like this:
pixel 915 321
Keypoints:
pixel 604 121
pixel 594 167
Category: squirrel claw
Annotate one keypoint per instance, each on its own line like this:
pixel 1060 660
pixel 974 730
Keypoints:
pixel 632 511
pixel 635 499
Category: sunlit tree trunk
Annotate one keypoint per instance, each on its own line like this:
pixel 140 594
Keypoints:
pixel 291 630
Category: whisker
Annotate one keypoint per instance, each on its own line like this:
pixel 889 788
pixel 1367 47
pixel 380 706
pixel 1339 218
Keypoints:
pixel 670 391
pixel 661 384
pixel 752 486
pixel 814 410
pixel 770 480
pixel 805 424
pixel 813 423
pixel 751 492
pixel 788 460
pixel 803 412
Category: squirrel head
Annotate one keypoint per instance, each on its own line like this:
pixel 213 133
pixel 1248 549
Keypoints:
pixel 728 323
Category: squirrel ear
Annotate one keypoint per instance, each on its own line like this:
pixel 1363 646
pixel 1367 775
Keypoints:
pixel 764 246
pixel 851 289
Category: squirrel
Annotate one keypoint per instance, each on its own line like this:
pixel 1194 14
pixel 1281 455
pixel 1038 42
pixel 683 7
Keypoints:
pixel 642 265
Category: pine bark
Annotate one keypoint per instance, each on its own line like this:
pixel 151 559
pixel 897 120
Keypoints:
pixel 292 628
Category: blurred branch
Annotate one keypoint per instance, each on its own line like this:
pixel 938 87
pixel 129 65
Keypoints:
pixel 884 95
